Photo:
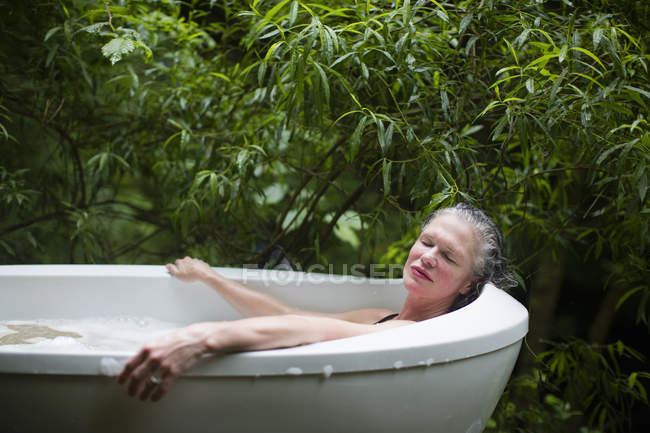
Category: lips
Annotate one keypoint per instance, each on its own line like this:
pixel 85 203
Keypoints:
pixel 420 273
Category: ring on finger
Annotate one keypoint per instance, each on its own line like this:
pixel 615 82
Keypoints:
pixel 155 380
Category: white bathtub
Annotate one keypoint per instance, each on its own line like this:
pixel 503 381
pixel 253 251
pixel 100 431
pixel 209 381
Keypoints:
pixel 440 375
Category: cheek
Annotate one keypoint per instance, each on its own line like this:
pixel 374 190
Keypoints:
pixel 444 272
pixel 414 253
pixel 450 277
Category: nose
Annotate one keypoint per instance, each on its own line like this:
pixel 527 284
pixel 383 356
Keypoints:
pixel 429 258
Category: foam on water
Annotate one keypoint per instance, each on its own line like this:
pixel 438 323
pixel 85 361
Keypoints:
pixel 296 371
pixel 327 371
pixel 93 334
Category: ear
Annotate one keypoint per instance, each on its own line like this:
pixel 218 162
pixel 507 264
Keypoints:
pixel 466 289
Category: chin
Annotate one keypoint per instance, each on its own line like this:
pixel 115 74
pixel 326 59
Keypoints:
pixel 413 286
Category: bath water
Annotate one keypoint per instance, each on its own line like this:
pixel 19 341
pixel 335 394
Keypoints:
pixel 93 334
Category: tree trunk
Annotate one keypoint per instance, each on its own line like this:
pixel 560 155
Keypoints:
pixel 599 330
pixel 544 294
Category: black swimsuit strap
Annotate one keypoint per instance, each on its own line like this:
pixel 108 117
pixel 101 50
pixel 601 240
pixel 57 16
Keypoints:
pixel 387 318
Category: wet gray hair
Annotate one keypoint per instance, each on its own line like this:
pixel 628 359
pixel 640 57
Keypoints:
pixel 490 263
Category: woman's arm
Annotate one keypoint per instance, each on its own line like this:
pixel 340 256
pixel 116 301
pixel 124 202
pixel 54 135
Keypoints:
pixel 174 353
pixel 248 302
pixel 251 303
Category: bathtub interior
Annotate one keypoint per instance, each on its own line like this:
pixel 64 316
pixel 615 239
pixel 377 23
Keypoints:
pixel 53 291
pixel 492 322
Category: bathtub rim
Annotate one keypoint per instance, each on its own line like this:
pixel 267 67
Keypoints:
pixel 448 338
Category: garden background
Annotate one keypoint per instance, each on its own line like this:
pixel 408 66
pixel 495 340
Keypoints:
pixel 296 133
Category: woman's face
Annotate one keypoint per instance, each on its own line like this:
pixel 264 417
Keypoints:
pixel 439 265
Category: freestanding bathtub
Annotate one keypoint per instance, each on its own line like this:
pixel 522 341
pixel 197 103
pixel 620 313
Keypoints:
pixel 440 375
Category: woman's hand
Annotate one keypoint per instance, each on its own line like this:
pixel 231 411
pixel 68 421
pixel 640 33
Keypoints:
pixel 189 269
pixel 151 372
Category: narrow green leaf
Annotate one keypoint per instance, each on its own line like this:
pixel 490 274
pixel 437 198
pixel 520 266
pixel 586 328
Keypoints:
pixel 334 38
pixel 389 136
pixel 522 38
pixel 213 184
pixel 171 138
pixel 400 43
pixel 639 91
pixel 631 380
pixel 590 54
pixel 326 44
pixel 643 186
pixel 102 161
pixel 627 35
pixel 507 68
pixel 437 199
pixel 512 51
pixel 355 138
pixel 381 137
pixel 31 239
pixel 272 31
pixel 563 52
pixel 51 32
pixel 121 160
pixel 514 100
pixel 547 36
pixel 492 105
pixel 275 9
pixel 530 86
pixel 364 71
pixel 587 77
pixel 470 44
pixel 611 150
pixel 444 101
pixel 51 54
pixel 220 75
pixel 324 82
pixel 400 179
pixel 271 50
pixel 443 15
pixel 469 130
pixel 406 12
pixel 467 19
pixel 597 36
pixel 65 10
pixel 176 123
pixel 543 60
pixel 341 59
pixel 7 248
pixel 293 13
pixel 386 167
pixel 504 80
pixel 261 72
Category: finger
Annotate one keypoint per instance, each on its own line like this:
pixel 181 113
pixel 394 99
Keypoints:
pixel 162 389
pixel 150 385
pixel 178 362
pixel 131 365
pixel 141 376
pixel 172 269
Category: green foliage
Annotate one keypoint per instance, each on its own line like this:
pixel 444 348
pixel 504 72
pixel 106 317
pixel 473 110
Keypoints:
pixel 571 380
pixel 592 380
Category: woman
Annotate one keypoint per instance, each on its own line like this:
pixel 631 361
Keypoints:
pixel 457 251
